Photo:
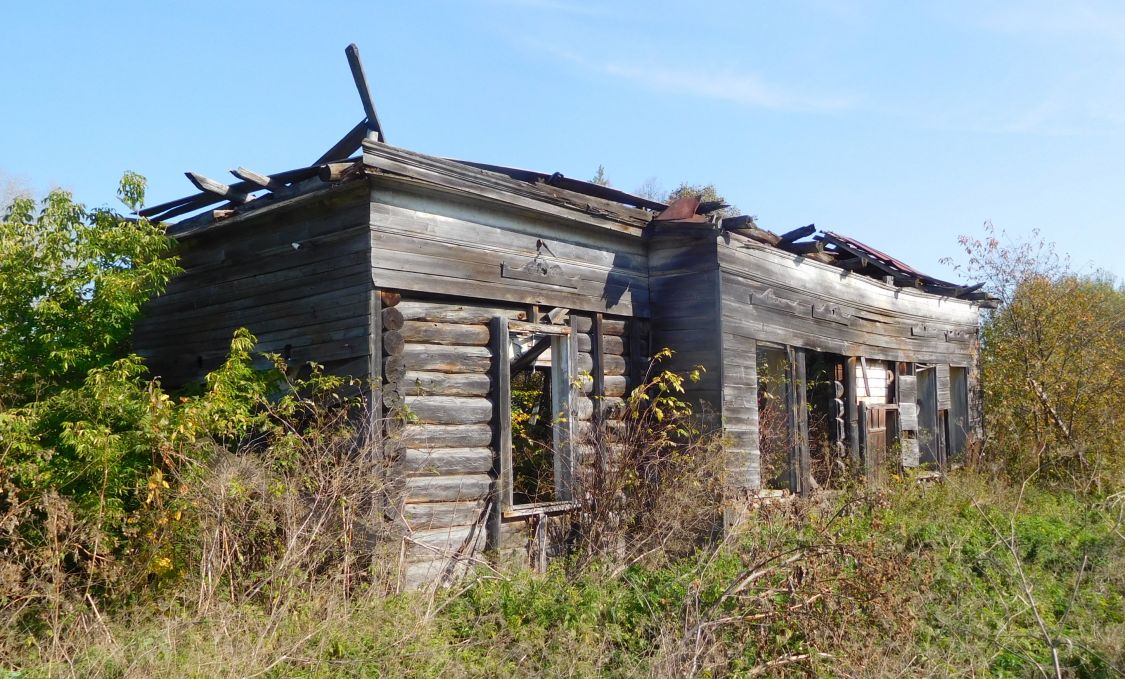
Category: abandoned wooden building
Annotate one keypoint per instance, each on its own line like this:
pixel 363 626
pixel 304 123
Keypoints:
pixel 462 288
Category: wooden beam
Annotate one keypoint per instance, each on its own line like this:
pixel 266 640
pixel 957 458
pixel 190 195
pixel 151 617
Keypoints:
pixel 332 172
pixel 866 383
pixel 807 248
pixel 851 411
pixel 502 415
pixel 798 234
pixel 181 206
pixel 364 92
pixel 527 359
pixel 347 145
pixel 264 181
pixel 219 189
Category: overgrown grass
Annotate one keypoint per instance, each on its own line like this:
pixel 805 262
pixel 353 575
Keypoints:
pixel 908 581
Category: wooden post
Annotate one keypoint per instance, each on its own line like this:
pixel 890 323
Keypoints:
pixel 851 411
pixel 597 351
pixel 803 456
pixel 799 462
pixel 360 78
pixel 374 376
pixel 862 437
pixel 501 487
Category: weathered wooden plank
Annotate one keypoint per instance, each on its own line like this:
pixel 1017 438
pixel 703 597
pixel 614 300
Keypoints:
pixel 360 79
pixel 436 542
pixel 764 323
pixel 418 383
pixel 487 236
pixel 449 409
pixel 446 312
pixel 446 488
pixel 496 192
pixel 610 326
pixel 444 358
pixel 907 402
pixel 760 265
pixel 443 436
pixel 610 344
pixel 332 251
pixel 614 365
pixel 208 185
pixel 426 332
pixel 452 277
pixel 445 461
pixel 291 275
pixel 501 421
pixel 943 392
pixel 428 515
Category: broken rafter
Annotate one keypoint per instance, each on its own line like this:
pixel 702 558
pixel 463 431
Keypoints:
pixel 208 185
pixel 805 248
pixel 901 278
pixel 332 172
pixel 264 181
pixel 182 206
pixel 347 145
pixel 360 79
pixel 528 358
pixel 798 234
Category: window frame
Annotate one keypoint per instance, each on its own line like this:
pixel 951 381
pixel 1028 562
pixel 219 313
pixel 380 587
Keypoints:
pixel 564 378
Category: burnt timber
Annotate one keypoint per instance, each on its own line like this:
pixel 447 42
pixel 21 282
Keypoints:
pixel 423 274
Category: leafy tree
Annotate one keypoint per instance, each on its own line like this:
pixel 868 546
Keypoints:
pixel 72 281
pixel 599 177
pixel 652 190
pixel 707 193
pixel 1053 358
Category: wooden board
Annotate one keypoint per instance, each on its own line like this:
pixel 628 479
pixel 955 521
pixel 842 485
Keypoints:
pixel 439 246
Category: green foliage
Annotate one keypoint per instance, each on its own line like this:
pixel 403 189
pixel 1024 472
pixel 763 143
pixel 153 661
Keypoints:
pixel 532 438
pixel 706 192
pixel 913 581
pixel 1053 356
pixel 72 281
pixel 599 177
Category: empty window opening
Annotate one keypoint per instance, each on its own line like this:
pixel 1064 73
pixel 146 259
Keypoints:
pixel 802 430
pixel 773 419
pixel 534 415
pixel 931 431
pixel 957 422
pixel 824 396
pixel 536 425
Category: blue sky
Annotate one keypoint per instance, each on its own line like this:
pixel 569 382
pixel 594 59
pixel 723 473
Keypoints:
pixel 900 124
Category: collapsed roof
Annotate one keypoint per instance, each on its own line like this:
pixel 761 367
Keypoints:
pixel 689 214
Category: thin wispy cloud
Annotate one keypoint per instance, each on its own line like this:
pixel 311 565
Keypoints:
pixel 557 6
pixel 705 82
pixel 1101 22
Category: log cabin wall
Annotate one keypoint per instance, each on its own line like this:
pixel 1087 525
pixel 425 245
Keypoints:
pixel 441 366
pixel 296 274
pixel 457 259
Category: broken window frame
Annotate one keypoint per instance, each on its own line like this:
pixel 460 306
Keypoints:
pixel 564 381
